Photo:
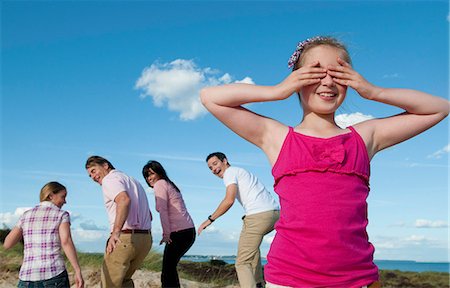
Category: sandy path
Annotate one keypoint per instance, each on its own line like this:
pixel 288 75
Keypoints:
pixel 142 279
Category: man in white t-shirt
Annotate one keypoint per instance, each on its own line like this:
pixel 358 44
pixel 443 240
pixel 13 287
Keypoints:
pixel 130 222
pixel 261 213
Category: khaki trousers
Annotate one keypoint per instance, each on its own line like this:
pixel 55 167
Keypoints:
pixel 248 260
pixel 127 257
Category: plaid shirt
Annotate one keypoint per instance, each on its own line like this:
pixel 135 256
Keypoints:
pixel 42 257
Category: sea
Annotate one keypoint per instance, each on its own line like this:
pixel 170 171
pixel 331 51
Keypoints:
pixel 412 266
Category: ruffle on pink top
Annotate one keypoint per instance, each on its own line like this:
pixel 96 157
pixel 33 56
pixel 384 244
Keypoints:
pixel 302 153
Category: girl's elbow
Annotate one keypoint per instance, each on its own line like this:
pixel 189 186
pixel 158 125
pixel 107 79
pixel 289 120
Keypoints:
pixel 63 242
pixel 204 96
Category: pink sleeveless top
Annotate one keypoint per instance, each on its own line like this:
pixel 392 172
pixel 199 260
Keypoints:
pixel 321 238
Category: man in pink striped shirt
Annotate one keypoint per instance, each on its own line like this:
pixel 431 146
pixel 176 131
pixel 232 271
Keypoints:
pixel 130 222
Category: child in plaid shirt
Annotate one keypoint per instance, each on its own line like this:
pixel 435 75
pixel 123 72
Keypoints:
pixel 45 229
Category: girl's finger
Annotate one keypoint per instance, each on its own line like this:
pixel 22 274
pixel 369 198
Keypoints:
pixel 337 68
pixel 343 82
pixel 312 75
pixel 308 82
pixel 341 75
pixel 309 70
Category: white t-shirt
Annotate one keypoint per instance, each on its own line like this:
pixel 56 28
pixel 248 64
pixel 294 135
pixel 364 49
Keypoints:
pixel 251 193
pixel 139 215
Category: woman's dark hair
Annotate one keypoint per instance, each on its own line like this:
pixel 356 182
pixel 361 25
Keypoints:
pixel 158 169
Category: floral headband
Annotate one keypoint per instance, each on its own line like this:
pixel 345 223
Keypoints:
pixel 300 47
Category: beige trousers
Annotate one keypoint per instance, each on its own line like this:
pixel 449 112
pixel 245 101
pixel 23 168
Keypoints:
pixel 127 257
pixel 248 260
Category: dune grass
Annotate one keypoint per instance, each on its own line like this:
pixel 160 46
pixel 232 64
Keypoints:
pixel 220 274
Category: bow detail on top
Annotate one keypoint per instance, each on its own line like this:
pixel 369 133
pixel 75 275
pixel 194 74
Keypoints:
pixel 331 154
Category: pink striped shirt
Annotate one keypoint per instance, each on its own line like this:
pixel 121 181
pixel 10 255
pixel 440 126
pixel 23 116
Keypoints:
pixel 139 215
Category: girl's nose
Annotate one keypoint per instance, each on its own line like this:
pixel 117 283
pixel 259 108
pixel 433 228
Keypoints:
pixel 327 80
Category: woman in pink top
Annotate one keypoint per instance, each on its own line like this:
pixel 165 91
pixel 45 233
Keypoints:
pixel 321 171
pixel 178 227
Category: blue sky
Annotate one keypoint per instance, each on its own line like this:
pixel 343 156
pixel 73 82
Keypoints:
pixel 121 80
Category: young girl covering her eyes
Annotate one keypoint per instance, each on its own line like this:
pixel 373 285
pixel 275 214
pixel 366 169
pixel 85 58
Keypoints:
pixel 321 171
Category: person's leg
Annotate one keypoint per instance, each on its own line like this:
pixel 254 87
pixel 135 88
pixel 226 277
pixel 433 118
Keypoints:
pixel 181 242
pixel 169 275
pixel 141 243
pixel 247 249
pixel 116 264
pixel 257 269
pixel 248 263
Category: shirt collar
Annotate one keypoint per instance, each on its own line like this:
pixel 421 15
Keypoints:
pixel 48 204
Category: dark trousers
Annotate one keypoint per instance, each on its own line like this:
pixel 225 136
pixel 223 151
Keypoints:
pixel 62 280
pixel 181 242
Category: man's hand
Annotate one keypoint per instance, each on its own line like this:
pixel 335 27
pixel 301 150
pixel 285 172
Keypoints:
pixel 112 242
pixel 203 226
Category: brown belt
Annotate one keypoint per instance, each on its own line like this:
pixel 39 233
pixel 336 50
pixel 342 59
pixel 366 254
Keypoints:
pixel 137 231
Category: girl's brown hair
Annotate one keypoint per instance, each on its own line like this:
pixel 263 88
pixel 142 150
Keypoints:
pixel 50 188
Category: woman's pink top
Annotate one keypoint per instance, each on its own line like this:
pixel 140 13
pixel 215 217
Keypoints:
pixel 172 210
pixel 321 238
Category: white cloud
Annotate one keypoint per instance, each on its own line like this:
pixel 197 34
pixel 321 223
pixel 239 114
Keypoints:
pixel 422 223
pixel 90 225
pixel 81 235
pixel 345 120
pixel 416 240
pixel 438 154
pixel 10 219
pixel 177 84
pixel 246 80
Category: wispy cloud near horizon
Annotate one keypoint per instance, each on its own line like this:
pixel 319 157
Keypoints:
pixel 422 223
pixel 441 152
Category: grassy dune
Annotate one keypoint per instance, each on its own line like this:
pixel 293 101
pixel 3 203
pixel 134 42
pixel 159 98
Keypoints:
pixel 217 273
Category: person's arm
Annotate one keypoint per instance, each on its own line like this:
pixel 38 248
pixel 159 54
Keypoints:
pixel 422 110
pixel 224 102
pixel 71 253
pixel 223 207
pixel 13 237
pixel 162 206
pixel 123 202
